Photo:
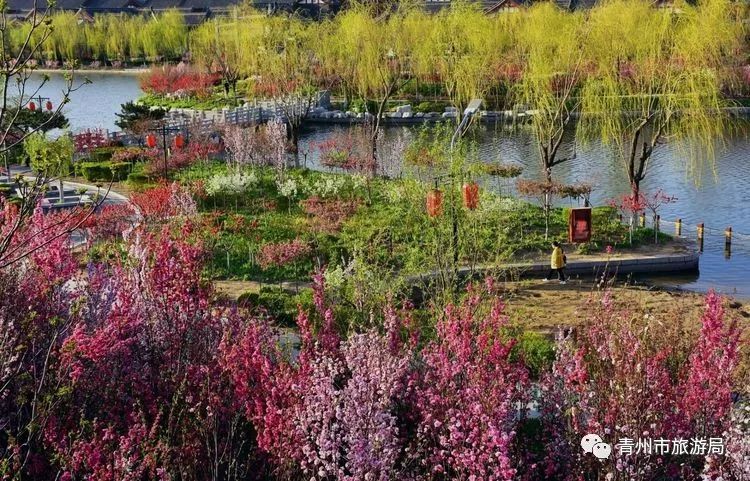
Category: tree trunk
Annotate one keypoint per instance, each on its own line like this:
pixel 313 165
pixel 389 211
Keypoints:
pixel 293 137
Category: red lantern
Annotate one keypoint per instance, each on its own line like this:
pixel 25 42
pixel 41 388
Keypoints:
pixel 179 141
pixel 151 140
pixel 471 195
pixel 49 106
pixel 434 203
pixel 32 106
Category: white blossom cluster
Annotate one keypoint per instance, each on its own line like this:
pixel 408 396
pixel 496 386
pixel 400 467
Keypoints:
pixel 288 187
pixel 231 183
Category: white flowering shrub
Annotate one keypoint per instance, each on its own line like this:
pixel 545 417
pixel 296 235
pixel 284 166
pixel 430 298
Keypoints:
pixel 231 183
pixel 326 186
pixel 288 187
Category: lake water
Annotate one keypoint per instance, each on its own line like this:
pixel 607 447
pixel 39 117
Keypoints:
pixel 721 198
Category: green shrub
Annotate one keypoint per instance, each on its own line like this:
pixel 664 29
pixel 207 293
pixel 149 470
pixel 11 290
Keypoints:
pixel 138 179
pixel 426 107
pixel 104 171
pixel 536 351
pixel 102 154
pixel 281 305
pixel 360 106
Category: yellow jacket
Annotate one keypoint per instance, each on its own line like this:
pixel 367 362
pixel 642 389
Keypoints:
pixel 556 262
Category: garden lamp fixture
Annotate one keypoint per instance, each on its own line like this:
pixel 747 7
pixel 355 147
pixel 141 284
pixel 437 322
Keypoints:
pixel 469 111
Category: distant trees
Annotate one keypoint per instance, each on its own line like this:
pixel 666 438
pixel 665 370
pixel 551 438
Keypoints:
pixel 634 74
pixel 109 37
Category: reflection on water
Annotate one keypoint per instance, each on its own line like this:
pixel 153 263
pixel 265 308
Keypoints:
pixel 721 199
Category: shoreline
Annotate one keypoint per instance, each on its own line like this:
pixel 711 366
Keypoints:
pixel 87 71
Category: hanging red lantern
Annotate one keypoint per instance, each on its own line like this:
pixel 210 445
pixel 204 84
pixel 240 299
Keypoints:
pixel 471 195
pixel 49 106
pixel 32 106
pixel 179 141
pixel 151 141
pixel 434 203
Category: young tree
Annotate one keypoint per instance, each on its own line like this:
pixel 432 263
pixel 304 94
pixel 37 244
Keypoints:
pixel 18 49
pixel 50 158
pixel 136 118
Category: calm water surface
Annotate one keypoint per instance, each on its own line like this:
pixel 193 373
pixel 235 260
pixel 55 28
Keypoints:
pixel 720 198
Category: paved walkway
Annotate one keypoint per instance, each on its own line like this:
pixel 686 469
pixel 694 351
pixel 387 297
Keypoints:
pixel 27 173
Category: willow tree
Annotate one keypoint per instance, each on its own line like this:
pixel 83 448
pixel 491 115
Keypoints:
pixel 231 46
pixel 68 38
pixel 657 77
pixel 164 35
pixel 376 53
pixel 551 58
pixel 290 72
pixel 462 47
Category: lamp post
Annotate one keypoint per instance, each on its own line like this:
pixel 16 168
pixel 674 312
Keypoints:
pixel 469 112
pixel 163 129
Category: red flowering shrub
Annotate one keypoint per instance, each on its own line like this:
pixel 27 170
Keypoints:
pixel 135 154
pixel 180 79
pixel 109 222
pixel 328 215
pixel 162 202
pixel 283 253
pixel 177 159
pixel 90 139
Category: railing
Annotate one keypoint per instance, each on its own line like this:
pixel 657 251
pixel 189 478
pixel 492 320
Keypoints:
pixel 210 120
pixel 681 230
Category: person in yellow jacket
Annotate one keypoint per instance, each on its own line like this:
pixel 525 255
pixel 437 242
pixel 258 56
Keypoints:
pixel 557 263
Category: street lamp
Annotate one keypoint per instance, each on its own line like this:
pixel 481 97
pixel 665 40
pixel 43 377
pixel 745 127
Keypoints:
pixel 469 111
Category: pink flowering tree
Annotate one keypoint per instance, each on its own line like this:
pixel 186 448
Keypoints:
pixel 145 394
pixel 468 396
pixel 33 324
pixel 653 203
pixel 376 406
pixel 630 205
pixel 627 380
pixel 256 145
pixel 283 253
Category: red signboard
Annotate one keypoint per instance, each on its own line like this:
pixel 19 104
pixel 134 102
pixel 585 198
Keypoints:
pixel 579 225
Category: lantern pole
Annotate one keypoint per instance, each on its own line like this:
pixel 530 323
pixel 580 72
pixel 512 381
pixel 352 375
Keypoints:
pixel 469 112
pixel 164 129
pixel 41 101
